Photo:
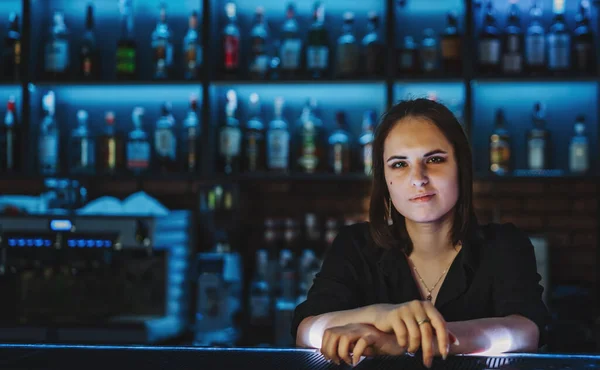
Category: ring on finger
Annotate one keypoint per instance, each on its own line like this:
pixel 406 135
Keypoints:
pixel 425 320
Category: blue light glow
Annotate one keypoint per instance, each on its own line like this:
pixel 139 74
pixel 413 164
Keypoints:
pixel 447 93
pixel 8 6
pixel 60 225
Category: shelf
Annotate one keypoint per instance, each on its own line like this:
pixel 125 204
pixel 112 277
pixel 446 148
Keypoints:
pixel 429 79
pixel 518 79
pixel 273 177
pixel 115 83
pixel 225 82
pixel 528 175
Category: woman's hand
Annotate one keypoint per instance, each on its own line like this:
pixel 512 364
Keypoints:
pixel 415 325
pixel 361 339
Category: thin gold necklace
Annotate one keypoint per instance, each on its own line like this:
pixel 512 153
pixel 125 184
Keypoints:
pixel 429 291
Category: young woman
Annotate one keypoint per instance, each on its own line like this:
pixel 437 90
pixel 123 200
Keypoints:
pixel 423 274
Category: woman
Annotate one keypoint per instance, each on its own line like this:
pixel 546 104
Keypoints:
pixel 423 274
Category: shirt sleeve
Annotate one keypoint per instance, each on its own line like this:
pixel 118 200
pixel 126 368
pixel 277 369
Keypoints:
pixel 517 289
pixel 336 286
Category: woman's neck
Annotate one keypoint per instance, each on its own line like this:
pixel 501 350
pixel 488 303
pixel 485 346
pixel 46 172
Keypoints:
pixel 430 240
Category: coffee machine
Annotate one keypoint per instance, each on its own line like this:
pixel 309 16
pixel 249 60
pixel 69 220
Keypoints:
pixel 95 278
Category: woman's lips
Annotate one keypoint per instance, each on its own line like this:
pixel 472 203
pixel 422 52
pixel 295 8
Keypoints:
pixel 422 198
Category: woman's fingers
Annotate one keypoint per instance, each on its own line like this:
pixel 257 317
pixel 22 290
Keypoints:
pixel 440 327
pixel 329 347
pixel 343 349
pixel 414 334
pixel 401 332
pixel 360 348
pixel 427 343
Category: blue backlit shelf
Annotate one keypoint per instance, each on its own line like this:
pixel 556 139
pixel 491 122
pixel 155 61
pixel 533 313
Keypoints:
pixel 429 79
pixel 541 79
pixel 527 175
pixel 67 83
pixel 299 81
pixel 319 177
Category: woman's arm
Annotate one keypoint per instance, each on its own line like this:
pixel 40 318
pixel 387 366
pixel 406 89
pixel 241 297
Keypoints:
pixel 495 335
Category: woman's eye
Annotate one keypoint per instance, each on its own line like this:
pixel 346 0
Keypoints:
pixel 398 165
pixel 436 160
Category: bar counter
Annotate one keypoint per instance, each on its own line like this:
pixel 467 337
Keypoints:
pixel 23 356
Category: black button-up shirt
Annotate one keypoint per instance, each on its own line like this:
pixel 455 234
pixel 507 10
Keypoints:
pixel 493 275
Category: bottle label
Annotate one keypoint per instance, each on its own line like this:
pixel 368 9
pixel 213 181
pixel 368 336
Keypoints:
pixel 290 54
pixel 252 151
pixel 513 44
pixel 582 55
pixel 347 58
pixel 193 58
pixel 191 148
pixel 308 158
pixel 338 160
pixel 111 153
pixel 578 157
pixel 512 62
pixel 536 149
pixel 232 50
pixel 17 53
pixel 368 158
pixel 317 57
pixel 259 64
pixel 558 51
pixel 49 151
pixel 126 60
pixel 499 154
pixel 407 60
pixel 489 51
pixel 229 141
pixel 535 49
pixel 451 48
pixel 429 58
pixel 278 142
pixel 57 56
pixel 163 56
pixel 138 154
pixel 164 142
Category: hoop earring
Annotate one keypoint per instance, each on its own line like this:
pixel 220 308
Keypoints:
pixel 389 219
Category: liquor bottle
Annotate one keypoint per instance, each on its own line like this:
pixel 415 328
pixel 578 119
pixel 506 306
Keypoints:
pixel 165 141
pixel 408 57
pixel 230 137
pixel 48 137
pixel 310 146
pixel 339 146
pixel 429 52
pixel 579 154
pixel 278 140
pixel 261 318
pixel 111 154
pixel 191 135
pixel 138 145
pixel 373 51
pixel 535 42
pixel 584 53
pixel 259 60
pixel 500 151
pixel 10 140
pixel 347 51
pixel 538 140
pixel 317 44
pixel 231 42
pixel 56 62
pixel 512 48
pixel 12 49
pixel 559 41
pixel 162 47
pixel 291 45
pixel 451 43
pixel 126 46
pixel 192 50
pixel 81 148
pixel 489 43
pixel 89 62
pixel 254 140
pixel 366 142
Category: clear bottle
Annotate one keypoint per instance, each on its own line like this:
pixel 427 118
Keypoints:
pixel 278 140
pixel 535 42
pixel 230 137
pixel 111 156
pixel 347 53
pixel 310 146
pixel 291 45
pixel 538 140
pixel 165 141
pixel 373 51
pixel 429 52
pixel 81 153
pixel 339 146
pixel 408 57
pixel 259 35
pixel 317 44
pixel 56 62
pixel 512 51
pixel 89 67
pixel 12 49
pixel 126 46
pixel 138 145
pixel 366 142
pixel 489 47
pixel 191 135
pixel 559 41
pixel 49 137
pixel 192 50
pixel 500 145
pixel 579 154
pixel 10 140
pixel 231 42
pixel 584 52
pixel 254 141
pixel 162 46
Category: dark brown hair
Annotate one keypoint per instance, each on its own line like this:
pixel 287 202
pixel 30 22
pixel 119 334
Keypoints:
pixel 397 236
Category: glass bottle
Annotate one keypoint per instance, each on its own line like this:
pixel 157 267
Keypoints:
pixel 500 145
pixel 89 67
pixel 535 42
pixel 291 45
pixel 165 141
pixel 538 140
pixel 373 51
pixel 451 45
pixel 317 44
pixel 81 153
pixel 12 49
pixel 584 52
pixel 192 50
pixel 49 137
pixel 110 147
pixel 230 137
pixel 231 42
pixel 408 57
pixel 366 142
pixel 254 141
pixel 579 154
pixel 162 46
pixel 559 41
pixel 138 145
pixel 126 46
pixel 339 146
pixel 347 53
pixel 10 140
pixel 489 43
pixel 278 140
pixel 512 55
pixel 310 146
pixel 191 135
pixel 429 52
pixel 56 63
pixel 259 34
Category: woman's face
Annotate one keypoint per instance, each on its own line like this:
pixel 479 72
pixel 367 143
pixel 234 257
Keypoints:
pixel 420 170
